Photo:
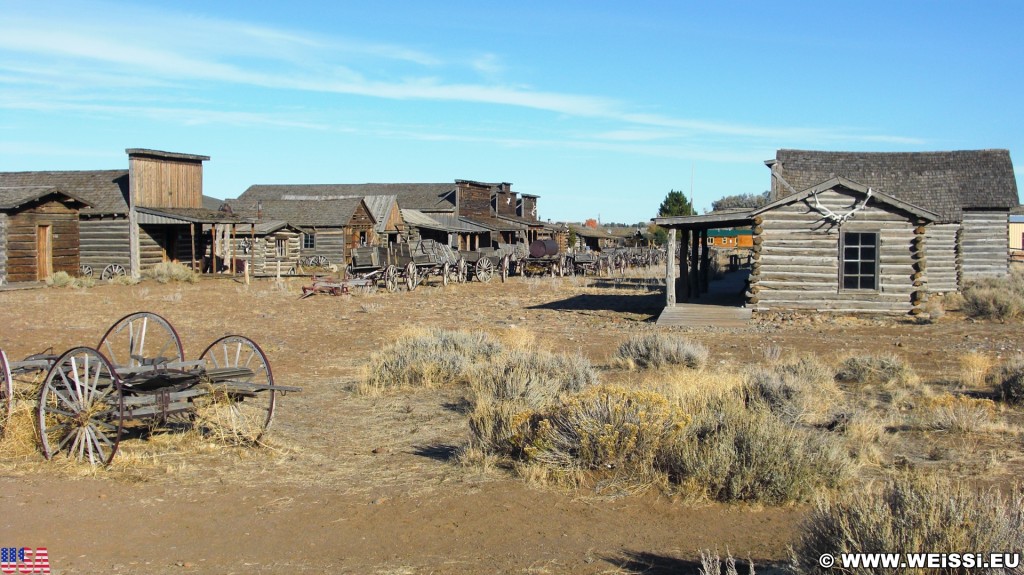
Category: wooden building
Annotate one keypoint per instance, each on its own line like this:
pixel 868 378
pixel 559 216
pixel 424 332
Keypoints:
pixel 39 233
pixel 731 238
pixel 331 226
pixel 844 245
pixel 150 213
pixel 594 239
pixel 1016 234
pixel 270 247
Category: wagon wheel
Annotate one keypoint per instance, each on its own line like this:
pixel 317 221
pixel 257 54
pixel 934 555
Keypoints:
pixel 446 269
pixel 462 270
pixel 411 276
pixel 81 408
pixel 6 393
pixel 85 271
pixel 141 338
pixel 391 279
pixel 503 268
pixel 318 261
pixel 484 269
pixel 232 411
pixel 112 271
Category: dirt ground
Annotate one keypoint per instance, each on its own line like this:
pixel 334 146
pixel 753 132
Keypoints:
pixel 356 484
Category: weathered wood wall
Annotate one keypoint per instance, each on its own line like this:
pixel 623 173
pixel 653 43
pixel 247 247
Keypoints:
pixel 166 183
pixel 505 203
pixel 104 242
pixel 163 242
pixel 474 200
pixel 21 248
pixel 943 273
pixel 359 226
pixel 528 209
pixel 3 248
pixel 330 243
pixel 797 259
pixel 263 253
pixel 984 244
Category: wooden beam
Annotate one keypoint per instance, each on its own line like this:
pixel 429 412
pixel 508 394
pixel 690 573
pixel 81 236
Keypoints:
pixel 670 269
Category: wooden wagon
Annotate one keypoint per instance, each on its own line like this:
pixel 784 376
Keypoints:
pixel 424 259
pixel 91 398
pixel 372 266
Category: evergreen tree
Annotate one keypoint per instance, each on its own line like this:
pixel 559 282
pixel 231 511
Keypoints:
pixel 676 204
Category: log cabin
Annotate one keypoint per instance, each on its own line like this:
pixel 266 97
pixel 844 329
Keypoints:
pixel 39 233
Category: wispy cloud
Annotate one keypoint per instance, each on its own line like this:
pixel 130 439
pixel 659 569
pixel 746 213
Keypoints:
pixel 172 58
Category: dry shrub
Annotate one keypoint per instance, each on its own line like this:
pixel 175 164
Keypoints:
pixel 884 370
pixel 604 427
pixel 956 413
pixel 65 280
pixel 995 298
pixel 865 436
pixel 911 515
pixel 797 390
pixel 431 358
pixel 735 453
pixel 511 387
pixel 655 351
pixel 711 564
pixel 974 368
pixel 1008 379
pixel 165 272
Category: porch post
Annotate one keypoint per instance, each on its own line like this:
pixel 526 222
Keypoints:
pixel 705 261
pixel 192 237
pixel 695 263
pixel 684 268
pixel 670 269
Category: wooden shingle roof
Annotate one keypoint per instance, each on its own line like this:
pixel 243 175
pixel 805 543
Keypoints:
pixel 942 182
pixel 106 191
pixel 325 212
pixel 14 197
pixel 423 197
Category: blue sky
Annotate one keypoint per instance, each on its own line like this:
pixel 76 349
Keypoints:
pixel 599 107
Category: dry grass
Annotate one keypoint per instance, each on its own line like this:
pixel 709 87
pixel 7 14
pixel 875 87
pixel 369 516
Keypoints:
pixel 659 350
pixel 66 280
pixel 974 369
pixel 911 514
pixel 886 371
pixel 799 390
pixel 166 272
pixel 956 414
pixel 1008 380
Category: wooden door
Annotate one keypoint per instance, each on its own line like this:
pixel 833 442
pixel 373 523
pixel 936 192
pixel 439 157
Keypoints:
pixel 44 252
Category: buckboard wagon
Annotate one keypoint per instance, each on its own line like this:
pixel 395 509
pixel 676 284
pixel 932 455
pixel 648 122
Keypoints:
pixel 137 376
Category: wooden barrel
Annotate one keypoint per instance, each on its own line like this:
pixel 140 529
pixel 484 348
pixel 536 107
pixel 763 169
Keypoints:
pixel 541 248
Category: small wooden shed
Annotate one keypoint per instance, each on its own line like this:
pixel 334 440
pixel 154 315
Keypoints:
pixel 39 233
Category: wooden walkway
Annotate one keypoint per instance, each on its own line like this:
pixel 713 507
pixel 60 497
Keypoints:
pixel 721 306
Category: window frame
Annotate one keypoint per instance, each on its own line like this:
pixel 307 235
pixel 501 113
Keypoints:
pixel 308 241
pixel 876 276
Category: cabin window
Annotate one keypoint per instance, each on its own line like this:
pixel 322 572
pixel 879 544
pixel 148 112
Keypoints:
pixel 281 247
pixel 308 241
pixel 860 261
pixel 362 238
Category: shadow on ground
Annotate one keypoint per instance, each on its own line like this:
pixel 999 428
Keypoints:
pixel 649 304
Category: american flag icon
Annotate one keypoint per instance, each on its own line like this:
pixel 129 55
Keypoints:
pixel 24 560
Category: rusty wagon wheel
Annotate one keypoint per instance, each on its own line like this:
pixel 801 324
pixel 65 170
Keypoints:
pixel 112 271
pixel 141 338
pixel 411 276
pixel 391 278
pixel 446 270
pixel 6 393
pixel 236 410
pixel 503 267
pixel 81 408
pixel 484 269
pixel 85 271
pixel 461 270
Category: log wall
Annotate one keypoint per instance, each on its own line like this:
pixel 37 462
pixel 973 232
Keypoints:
pixel 943 273
pixel 104 242
pixel 984 244
pixel 21 241
pixel 3 248
pixel 797 258
pixel 330 243
pixel 263 253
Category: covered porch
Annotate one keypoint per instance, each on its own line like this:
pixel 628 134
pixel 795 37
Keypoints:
pixel 692 295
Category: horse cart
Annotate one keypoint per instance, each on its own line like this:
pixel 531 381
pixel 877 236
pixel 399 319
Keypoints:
pixel 423 259
pixel 136 377
pixel 545 259
pixel 372 266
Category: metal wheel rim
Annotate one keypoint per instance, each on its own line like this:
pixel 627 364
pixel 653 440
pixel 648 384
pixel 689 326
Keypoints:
pixel 112 271
pixel 6 393
pixel 138 326
pixel 484 269
pixel 81 408
pixel 233 417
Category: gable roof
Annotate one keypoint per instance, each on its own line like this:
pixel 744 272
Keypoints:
pixel 12 198
pixel 423 197
pixel 324 212
pixel 840 182
pixel 942 182
pixel 380 208
pixel 105 191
